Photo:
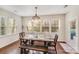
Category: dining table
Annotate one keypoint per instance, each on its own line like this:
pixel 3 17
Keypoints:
pixel 45 40
pixel 31 41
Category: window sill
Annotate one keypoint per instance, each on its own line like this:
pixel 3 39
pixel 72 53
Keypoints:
pixel 8 35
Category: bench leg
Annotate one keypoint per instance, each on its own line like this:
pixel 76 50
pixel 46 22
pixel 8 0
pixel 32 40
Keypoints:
pixel 45 52
pixel 21 50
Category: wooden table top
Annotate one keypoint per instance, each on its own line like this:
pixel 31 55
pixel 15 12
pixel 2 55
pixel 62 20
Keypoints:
pixel 39 39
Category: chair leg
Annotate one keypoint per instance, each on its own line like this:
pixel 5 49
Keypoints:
pixel 56 50
pixel 32 42
pixel 23 51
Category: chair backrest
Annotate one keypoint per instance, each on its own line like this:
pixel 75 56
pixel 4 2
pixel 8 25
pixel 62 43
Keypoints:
pixel 22 34
pixel 21 37
pixel 55 38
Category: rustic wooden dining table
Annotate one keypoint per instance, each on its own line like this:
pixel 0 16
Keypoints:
pixel 45 40
pixel 31 42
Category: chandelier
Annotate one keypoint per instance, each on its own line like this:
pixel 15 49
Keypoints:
pixel 36 17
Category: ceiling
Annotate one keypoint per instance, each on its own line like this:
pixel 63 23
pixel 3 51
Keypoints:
pixel 28 10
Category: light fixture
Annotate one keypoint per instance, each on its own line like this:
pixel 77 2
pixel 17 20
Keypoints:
pixel 36 17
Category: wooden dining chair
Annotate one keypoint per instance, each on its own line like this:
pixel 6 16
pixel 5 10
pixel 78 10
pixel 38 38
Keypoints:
pixel 21 37
pixel 22 43
pixel 52 45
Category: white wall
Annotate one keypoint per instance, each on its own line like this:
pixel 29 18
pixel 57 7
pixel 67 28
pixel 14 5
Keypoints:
pixel 73 13
pixel 8 39
pixel 62 29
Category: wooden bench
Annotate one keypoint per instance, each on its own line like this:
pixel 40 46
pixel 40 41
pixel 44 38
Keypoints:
pixel 25 49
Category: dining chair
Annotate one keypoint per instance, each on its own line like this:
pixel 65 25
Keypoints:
pixel 22 34
pixel 22 43
pixel 52 45
pixel 21 37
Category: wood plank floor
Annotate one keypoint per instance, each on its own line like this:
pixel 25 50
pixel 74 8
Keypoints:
pixel 14 49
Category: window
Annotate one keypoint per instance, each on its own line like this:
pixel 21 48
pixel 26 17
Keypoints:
pixel 54 26
pixel 7 25
pixel 33 26
pixel 36 26
pixel 2 24
pixel 45 26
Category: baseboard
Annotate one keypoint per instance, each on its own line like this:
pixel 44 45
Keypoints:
pixel 9 45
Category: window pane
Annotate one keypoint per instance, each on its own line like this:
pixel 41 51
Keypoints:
pixel 33 26
pixel 2 26
pixel 36 26
pixel 54 26
pixel 45 29
pixel 7 25
pixel 45 26
pixel 29 26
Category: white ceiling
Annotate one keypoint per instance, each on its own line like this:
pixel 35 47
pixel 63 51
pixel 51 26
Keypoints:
pixel 28 10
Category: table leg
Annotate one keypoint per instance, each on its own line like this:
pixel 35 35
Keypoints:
pixel 45 43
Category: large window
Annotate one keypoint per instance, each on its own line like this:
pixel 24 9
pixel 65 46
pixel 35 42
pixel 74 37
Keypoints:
pixel 7 25
pixel 45 24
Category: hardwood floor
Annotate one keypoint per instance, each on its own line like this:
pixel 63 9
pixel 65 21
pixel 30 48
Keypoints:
pixel 10 49
pixel 14 49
